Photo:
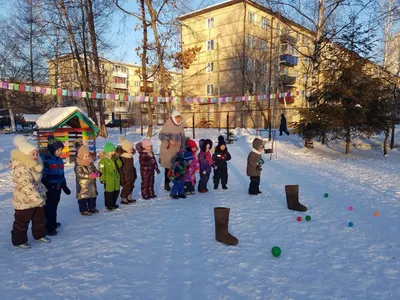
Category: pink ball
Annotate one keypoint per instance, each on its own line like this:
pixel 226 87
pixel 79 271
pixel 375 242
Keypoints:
pixel 350 207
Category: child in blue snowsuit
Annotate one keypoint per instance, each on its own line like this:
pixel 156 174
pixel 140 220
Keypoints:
pixel 54 180
pixel 176 174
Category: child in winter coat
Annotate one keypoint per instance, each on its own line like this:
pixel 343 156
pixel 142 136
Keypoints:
pixel 54 180
pixel 176 174
pixel 220 158
pixel 190 157
pixel 86 174
pixel 206 163
pixel 108 167
pixel 254 166
pixel 29 195
pixel 128 171
pixel 148 165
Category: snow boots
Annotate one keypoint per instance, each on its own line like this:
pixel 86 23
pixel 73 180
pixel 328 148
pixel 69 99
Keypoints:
pixel 221 216
pixel 292 198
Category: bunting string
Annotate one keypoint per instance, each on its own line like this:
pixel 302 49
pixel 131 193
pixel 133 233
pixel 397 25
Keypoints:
pixel 123 97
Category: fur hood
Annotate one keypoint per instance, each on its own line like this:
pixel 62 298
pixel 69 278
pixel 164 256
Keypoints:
pixel 20 159
pixel 102 155
pixel 122 153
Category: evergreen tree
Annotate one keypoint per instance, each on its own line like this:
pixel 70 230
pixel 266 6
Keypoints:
pixel 353 100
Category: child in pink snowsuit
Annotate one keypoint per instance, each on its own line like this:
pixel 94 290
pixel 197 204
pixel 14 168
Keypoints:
pixel 194 167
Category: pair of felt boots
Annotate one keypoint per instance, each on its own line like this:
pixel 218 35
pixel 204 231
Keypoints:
pixel 221 215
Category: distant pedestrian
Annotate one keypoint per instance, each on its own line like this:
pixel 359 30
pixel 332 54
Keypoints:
pixel 283 126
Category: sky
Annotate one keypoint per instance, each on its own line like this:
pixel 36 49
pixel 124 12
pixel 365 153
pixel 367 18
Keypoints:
pixel 123 38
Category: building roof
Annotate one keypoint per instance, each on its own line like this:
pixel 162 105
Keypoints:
pixel 71 116
pixel 252 3
pixel 30 117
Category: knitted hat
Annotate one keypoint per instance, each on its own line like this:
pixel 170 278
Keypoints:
pixel 109 147
pixel 179 158
pixel 146 142
pixel 191 144
pixel 188 155
pixel 53 144
pixel 23 145
pixel 125 144
pixel 221 141
pixel 174 114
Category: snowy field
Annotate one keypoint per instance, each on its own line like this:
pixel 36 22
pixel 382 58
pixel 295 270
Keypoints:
pixel 165 249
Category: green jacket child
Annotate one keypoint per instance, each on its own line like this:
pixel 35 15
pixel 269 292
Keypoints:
pixel 109 165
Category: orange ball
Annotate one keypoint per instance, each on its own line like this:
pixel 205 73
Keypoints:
pixel 376 214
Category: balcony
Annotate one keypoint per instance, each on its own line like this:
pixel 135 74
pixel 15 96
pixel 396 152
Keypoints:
pixel 287 79
pixel 122 109
pixel 149 89
pixel 120 74
pixel 289 60
pixel 289 100
pixel 287 38
pixel 123 86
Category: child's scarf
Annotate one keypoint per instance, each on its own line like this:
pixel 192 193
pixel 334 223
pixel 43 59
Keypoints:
pixel 209 158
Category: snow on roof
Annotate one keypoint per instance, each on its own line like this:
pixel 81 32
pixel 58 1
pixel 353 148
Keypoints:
pixel 204 8
pixel 55 116
pixel 30 117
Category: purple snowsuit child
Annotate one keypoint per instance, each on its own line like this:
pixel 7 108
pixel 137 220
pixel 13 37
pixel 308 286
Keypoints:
pixel 206 162
pixel 148 165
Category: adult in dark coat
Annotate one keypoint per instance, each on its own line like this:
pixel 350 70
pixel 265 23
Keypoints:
pixel 220 158
pixel 283 126
pixel 172 137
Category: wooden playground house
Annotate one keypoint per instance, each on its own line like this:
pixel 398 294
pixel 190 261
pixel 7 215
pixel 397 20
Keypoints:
pixel 67 124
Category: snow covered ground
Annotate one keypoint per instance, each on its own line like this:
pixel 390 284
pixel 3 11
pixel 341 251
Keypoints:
pixel 165 249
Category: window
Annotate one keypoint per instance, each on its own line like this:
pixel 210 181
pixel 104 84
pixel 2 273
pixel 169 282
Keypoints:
pixel 119 80
pixel 251 41
pixel 263 45
pixel 210 89
pixel 251 63
pixel 263 89
pixel 278 28
pixel 210 23
pixel 137 83
pixel 210 67
pixel 263 67
pixel 264 23
pixel 210 45
pixel 251 17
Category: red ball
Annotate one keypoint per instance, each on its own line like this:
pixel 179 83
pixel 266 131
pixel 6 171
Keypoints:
pixel 299 219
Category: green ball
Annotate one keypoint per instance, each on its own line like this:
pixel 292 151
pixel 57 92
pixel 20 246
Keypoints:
pixel 326 195
pixel 308 218
pixel 276 251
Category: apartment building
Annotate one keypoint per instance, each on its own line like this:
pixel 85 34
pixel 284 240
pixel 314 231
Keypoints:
pixel 246 49
pixel 118 78
pixel 392 61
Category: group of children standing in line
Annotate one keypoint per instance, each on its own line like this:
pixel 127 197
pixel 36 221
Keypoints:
pixel 40 179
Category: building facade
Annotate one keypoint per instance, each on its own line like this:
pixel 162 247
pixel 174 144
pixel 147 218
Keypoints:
pixel 392 61
pixel 246 49
pixel 118 78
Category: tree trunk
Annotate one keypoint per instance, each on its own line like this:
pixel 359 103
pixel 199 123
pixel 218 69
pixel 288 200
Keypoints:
pixel 348 141
pixel 12 119
pixel 76 55
pixel 392 145
pixel 32 76
pixel 385 150
pixel 144 68
pixel 159 49
pixel 93 39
